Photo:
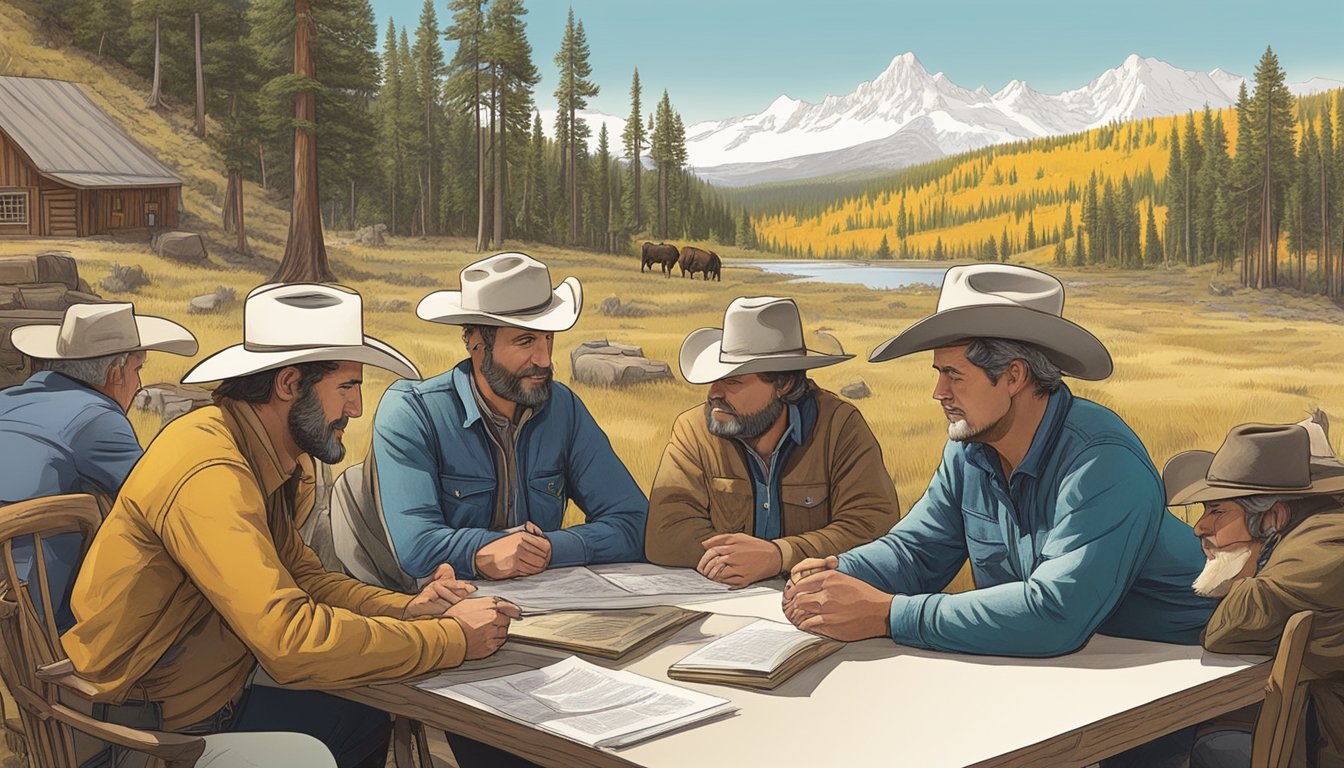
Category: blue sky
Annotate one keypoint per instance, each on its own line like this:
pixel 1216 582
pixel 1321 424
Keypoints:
pixel 720 58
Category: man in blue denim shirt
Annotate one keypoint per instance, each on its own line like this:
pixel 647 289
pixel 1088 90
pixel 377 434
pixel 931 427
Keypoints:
pixel 1053 498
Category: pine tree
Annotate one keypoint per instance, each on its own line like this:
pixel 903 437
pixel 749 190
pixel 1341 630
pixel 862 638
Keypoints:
pixel 633 138
pixel 428 63
pixel 509 57
pixel 1092 220
pixel 1325 175
pixel 1272 136
pixel 746 234
pixel 1068 222
pixel 1004 247
pixel 464 87
pixel 1152 244
pixel 1243 185
pixel 391 107
pixel 572 95
pixel 1175 194
pixel 1061 254
pixel 883 249
pixel 1079 253
pixel 1031 234
pixel 661 138
pixel 602 179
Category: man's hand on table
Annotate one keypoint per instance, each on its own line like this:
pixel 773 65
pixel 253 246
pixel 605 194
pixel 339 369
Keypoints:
pixel 824 601
pixel 484 622
pixel 737 559
pixel 522 553
pixel 443 591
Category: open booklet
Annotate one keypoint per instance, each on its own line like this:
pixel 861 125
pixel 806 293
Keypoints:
pixel 610 634
pixel 587 703
pixel 623 585
pixel 762 654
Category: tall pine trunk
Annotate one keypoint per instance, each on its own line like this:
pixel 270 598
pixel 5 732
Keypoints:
pixel 480 158
pixel 573 167
pixel 305 258
pixel 502 124
pixel 240 224
pixel 200 83
pixel 155 98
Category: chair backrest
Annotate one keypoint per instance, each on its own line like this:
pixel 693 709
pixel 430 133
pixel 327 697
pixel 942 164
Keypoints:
pixel 1285 697
pixel 28 633
pixel 359 533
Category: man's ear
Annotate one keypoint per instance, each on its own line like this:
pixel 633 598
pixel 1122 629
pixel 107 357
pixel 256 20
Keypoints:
pixel 1276 517
pixel 115 373
pixel 1016 376
pixel 286 387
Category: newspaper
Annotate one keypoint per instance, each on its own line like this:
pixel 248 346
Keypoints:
pixel 589 704
pixel 623 585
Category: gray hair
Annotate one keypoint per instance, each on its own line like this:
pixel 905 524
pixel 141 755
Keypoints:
pixel 994 355
pixel 793 383
pixel 1256 507
pixel 91 370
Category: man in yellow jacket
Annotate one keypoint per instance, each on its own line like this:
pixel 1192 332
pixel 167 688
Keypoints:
pixel 199 572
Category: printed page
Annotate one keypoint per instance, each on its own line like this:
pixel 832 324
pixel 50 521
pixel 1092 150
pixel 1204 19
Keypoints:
pixel 758 647
pixel 601 629
pixel 554 590
pixel 653 580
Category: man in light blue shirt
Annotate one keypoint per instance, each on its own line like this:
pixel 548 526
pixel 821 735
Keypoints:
pixel 1053 498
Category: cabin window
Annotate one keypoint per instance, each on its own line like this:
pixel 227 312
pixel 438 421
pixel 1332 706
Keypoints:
pixel 13 207
pixel 116 203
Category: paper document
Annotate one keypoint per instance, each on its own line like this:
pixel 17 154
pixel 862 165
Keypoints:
pixel 627 585
pixel 589 704
pixel 609 633
pixel 758 647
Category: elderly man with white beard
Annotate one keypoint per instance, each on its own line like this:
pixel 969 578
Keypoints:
pixel 1273 535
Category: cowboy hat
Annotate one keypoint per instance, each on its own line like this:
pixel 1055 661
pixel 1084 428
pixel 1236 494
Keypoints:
pixel 509 289
pixel 97 330
pixel 288 324
pixel 1006 302
pixel 759 335
pixel 1254 460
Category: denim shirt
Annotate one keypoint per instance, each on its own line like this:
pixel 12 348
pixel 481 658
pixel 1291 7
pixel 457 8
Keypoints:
pixel 765 478
pixel 437 478
pixel 1077 541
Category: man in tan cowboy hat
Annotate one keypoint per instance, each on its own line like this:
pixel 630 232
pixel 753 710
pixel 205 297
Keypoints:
pixel 65 430
pixel 1052 498
pixel 770 469
pixel 198 572
pixel 475 466
pixel 1273 533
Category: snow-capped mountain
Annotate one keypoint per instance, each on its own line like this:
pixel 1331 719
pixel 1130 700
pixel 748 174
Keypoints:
pixel 906 115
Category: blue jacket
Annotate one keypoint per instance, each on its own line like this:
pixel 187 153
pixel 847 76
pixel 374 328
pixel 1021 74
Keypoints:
pixel 60 436
pixel 436 478
pixel 1077 541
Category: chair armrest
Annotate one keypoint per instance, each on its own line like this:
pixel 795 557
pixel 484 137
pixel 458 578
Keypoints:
pixel 175 749
pixel 63 673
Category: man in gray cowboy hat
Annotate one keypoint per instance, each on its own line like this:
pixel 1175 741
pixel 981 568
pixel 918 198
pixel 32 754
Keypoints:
pixel 65 430
pixel 770 469
pixel 199 573
pixel 1052 498
pixel 1273 534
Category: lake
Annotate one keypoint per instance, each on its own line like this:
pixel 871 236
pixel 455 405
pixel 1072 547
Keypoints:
pixel 880 276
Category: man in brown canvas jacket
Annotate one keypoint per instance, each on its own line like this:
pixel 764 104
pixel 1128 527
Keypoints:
pixel 771 469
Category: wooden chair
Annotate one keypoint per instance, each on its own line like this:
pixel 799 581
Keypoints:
pixel 32 663
pixel 1285 698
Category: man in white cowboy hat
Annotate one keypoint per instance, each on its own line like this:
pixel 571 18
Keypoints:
pixel 65 430
pixel 1052 498
pixel 770 469
pixel 476 466
pixel 1273 534
pixel 199 572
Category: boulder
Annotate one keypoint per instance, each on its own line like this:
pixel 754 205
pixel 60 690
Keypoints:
pixel 171 400
pixel 181 246
pixel 608 364
pixel 210 303
pixel 125 279
pixel 856 390
pixel 612 307
pixel 46 267
pixel 372 236
pixel 1221 290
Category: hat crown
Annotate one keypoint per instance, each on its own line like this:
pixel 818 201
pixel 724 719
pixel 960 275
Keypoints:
pixel 302 315
pixel 978 285
pixel 1269 456
pixel 761 326
pixel 91 330
pixel 506 283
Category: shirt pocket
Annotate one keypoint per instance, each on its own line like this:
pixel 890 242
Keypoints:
pixel 468 502
pixel 546 500
pixel 805 507
pixel 731 505
pixel 984 541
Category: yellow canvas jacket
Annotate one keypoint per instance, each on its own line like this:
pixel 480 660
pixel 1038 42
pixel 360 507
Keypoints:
pixel 199 571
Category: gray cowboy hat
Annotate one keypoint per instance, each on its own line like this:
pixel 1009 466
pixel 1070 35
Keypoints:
pixel 1256 460
pixel 760 334
pixel 97 330
pixel 1007 302
pixel 507 289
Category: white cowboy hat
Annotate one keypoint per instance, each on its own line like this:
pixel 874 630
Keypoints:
pixel 1006 302
pixel 1255 460
pixel 760 334
pixel 510 289
pixel 288 324
pixel 96 330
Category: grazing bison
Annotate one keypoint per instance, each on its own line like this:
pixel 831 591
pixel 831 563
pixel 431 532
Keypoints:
pixel 699 260
pixel 666 256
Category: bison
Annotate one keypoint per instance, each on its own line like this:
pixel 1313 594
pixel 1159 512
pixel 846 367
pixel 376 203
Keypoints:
pixel 699 260
pixel 666 256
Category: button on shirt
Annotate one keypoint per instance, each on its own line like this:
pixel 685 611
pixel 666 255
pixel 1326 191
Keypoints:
pixel 765 477
pixel 1078 540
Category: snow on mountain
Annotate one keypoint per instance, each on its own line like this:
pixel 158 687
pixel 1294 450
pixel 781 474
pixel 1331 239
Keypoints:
pixel 1315 85
pixel 595 120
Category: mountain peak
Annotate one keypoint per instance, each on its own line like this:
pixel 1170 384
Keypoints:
pixel 905 64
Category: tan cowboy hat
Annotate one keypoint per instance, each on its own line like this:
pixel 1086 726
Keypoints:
pixel 1254 460
pixel 509 289
pixel 1006 302
pixel 96 330
pixel 292 323
pixel 759 335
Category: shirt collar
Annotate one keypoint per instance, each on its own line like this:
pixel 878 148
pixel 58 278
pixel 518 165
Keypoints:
pixel 256 447
pixel 54 380
pixel 1042 443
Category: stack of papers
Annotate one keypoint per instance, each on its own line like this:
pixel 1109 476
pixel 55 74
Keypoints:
pixel 611 634
pixel 587 703
pixel 762 654
pixel 625 585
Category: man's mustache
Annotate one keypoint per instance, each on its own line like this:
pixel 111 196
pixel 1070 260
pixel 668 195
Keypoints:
pixel 722 405
pixel 534 370
pixel 338 424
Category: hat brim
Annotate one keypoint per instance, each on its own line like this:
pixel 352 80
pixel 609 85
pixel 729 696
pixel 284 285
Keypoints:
pixel 239 361
pixel 156 335
pixel 560 314
pixel 1070 346
pixel 700 363
pixel 1185 480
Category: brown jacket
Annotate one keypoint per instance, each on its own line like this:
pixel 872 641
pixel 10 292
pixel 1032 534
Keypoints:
pixel 835 492
pixel 1303 573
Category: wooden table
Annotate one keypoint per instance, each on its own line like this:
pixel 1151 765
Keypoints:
pixel 876 702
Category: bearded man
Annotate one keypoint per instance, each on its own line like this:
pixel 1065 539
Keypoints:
pixel 770 469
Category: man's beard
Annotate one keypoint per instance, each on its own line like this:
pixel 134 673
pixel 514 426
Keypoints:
pixel 747 427
pixel 1221 570
pixel 510 386
pixel 962 430
pixel 311 431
